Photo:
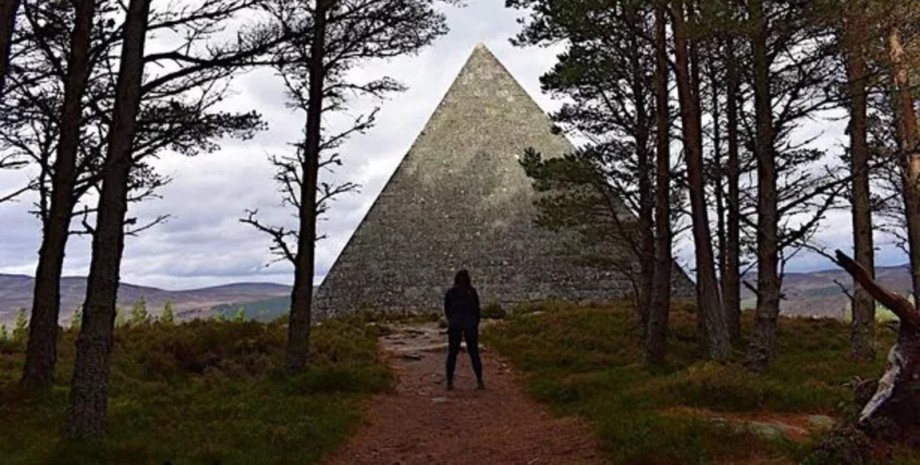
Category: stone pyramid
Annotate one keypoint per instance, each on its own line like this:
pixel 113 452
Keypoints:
pixel 460 199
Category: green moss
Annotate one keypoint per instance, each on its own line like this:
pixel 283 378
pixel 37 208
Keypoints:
pixel 586 361
pixel 202 392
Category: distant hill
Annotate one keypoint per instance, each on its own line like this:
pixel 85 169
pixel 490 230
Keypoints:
pixel 817 294
pixel 807 294
pixel 260 310
pixel 16 293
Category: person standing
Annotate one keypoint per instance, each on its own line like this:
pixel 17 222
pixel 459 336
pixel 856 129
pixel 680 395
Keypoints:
pixel 461 307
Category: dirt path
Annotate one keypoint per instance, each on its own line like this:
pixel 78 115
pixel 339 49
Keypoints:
pixel 421 423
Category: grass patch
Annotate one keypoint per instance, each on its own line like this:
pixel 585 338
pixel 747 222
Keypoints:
pixel 586 361
pixel 202 392
pixel 493 310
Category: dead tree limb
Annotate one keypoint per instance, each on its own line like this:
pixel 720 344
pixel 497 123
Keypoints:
pixel 897 303
pixel 894 411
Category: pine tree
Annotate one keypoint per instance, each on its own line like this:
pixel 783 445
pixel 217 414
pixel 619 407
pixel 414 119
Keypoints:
pixel 709 303
pixel 139 314
pixel 64 133
pixel 88 393
pixel 169 316
pixel 41 353
pixel 21 327
pixel 660 305
pixel 853 29
pixel 608 75
pixel 76 319
pixel 339 35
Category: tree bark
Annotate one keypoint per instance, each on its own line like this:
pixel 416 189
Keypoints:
pixel 763 337
pixel 731 281
pixel 657 333
pixel 88 394
pixel 8 11
pixel 718 343
pixel 908 138
pixel 643 162
pixel 302 294
pixel 894 410
pixel 862 333
pixel 41 351
pixel 696 97
pixel 717 177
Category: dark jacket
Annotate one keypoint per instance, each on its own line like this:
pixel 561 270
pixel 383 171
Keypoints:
pixel 461 307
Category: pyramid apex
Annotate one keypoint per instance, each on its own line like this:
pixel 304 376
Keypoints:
pixel 481 48
pixel 460 199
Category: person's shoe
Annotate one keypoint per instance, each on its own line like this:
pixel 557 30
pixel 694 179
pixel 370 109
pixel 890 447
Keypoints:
pixel 450 385
pixel 480 386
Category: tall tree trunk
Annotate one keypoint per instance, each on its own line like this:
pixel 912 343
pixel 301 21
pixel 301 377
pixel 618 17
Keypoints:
pixel 717 170
pixel 862 333
pixel 657 333
pixel 643 162
pixel 8 11
pixel 88 394
pixel 908 138
pixel 41 352
pixel 696 84
pixel 718 343
pixel 302 295
pixel 731 281
pixel 763 337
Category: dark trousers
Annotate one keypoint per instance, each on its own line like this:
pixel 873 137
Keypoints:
pixel 454 337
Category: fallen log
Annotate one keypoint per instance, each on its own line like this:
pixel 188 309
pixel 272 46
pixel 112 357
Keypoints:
pixel 893 412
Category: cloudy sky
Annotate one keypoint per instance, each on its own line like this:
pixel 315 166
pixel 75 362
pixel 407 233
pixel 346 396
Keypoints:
pixel 204 243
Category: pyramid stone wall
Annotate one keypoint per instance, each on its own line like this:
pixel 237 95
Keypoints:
pixel 460 199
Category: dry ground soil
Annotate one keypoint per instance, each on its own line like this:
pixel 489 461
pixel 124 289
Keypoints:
pixel 420 423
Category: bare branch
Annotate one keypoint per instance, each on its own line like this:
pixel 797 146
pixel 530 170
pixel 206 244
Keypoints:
pixel 279 236
pixel 845 291
pixel 152 223
pixel 13 195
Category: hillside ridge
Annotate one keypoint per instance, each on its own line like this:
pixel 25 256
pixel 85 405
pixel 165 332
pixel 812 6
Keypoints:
pixel 810 294
pixel 818 294
pixel 16 293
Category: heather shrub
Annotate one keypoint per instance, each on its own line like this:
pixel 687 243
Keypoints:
pixel 201 392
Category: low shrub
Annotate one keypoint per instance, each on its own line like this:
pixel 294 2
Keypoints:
pixel 493 310
pixel 587 361
pixel 202 392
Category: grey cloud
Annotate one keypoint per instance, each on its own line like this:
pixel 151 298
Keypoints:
pixel 204 243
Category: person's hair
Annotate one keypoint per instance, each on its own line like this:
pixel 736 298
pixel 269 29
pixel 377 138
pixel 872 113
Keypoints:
pixel 462 280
